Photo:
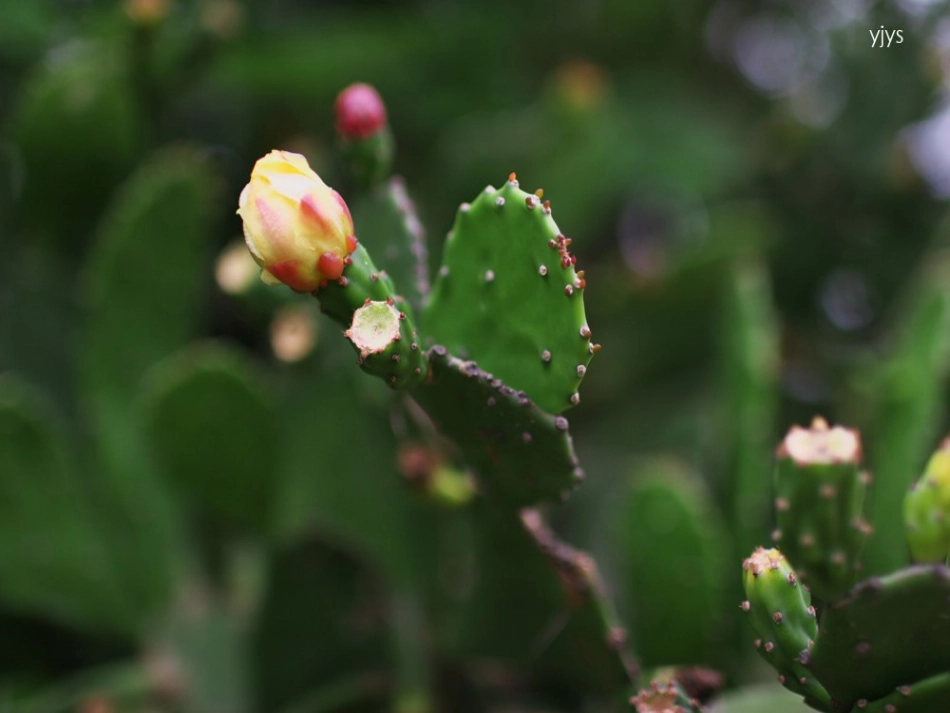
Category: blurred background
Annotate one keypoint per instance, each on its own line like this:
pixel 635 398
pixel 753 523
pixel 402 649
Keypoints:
pixel 205 506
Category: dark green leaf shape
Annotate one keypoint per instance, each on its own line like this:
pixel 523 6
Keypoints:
pixel 214 431
pixel 907 400
pixel 521 454
pixel 323 619
pixel 927 696
pixel 387 225
pixel 508 297
pixel 79 131
pixel 890 631
pixel 538 605
pixel 340 471
pixel 142 290
pixel 673 552
pixel 55 561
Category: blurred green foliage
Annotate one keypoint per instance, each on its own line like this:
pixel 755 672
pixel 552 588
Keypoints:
pixel 206 507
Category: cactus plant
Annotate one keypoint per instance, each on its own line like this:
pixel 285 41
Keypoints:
pixel 880 645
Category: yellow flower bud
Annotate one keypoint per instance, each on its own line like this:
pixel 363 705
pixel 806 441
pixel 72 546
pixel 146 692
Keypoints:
pixel 296 227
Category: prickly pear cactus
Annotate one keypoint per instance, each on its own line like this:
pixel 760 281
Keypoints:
pixel 879 646
pixel 889 632
pixel 780 611
pixel 926 509
pixel 521 453
pixel 820 489
pixel 508 296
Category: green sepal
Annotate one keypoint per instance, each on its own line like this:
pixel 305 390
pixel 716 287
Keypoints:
pixel 369 160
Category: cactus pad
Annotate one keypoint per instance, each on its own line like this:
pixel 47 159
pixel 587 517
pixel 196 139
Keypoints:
pixel 674 548
pixel 387 225
pixel 508 297
pixel 820 491
pixel 521 454
pixel 927 696
pixel 890 631
pixel 780 611
pixel 925 510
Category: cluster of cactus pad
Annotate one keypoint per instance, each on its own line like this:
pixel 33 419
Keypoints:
pixel 482 357
pixel 880 644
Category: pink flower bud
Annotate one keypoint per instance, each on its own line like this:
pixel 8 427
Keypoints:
pixel 360 112
pixel 297 228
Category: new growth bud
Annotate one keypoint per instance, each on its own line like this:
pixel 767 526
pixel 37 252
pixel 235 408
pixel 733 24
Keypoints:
pixel 926 510
pixel 820 488
pixel 360 112
pixel 366 143
pixel 297 228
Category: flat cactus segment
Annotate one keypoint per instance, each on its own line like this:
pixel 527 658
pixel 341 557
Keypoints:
pixel 536 606
pixel 388 226
pixel 749 366
pixel 926 508
pixel 929 696
pixel 889 632
pixel 213 428
pixel 508 297
pixel 55 560
pixel 779 609
pixel 521 454
pixel 907 400
pixel 674 550
pixel 820 487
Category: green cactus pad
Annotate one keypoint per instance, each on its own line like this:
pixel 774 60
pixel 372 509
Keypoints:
pixel 674 551
pixel 779 610
pixel 521 454
pixel 536 605
pixel 508 297
pixel 749 363
pixel 387 225
pixel 929 696
pixel 890 631
pixel 906 396
pixel 820 487
pixel 214 432
pixel 55 561
pixel 926 510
